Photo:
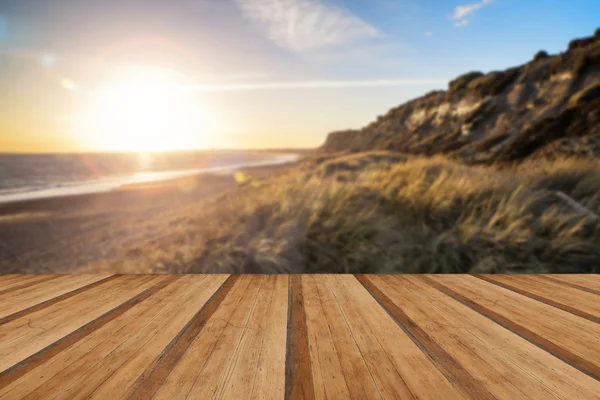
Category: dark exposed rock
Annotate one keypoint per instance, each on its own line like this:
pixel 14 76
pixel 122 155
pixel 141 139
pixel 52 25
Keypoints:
pixel 579 43
pixel 540 55
pixel 493 83
pixel 462 81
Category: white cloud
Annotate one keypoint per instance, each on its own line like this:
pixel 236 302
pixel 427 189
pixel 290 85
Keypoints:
pixel 462 12
pixel 310 85
pixel 301 25
pixel 428 34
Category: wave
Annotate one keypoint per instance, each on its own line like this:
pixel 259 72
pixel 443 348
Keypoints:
pixel 111 183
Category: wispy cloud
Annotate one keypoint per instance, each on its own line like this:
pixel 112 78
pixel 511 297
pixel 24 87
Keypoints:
pixel 462 13
pixel 322 84
pixel 428 34
pixel 300 25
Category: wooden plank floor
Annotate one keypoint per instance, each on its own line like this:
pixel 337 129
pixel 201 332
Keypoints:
pixel 299 337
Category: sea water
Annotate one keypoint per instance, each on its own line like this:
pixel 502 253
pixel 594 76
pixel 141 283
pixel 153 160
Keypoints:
pixel 36 176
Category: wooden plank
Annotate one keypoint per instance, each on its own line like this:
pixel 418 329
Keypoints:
pixel 185 373
pixel 359 379
pixel 79 337
pixel 43 291
pixel 575 301
pixel 508 365
pixel 64 368
pixel 460 378
pixel 157 371
pixel 117 372
pixel 392 357
pixel 243 367
pixel 211 380
pixel 27 282
pixel 328 375
pixel 298 376
pixel 21 338
pixel 58 312
pixel 22 332
pixel 32 299
pixel 568 337
pixel 587 283
pixel 269 380
pixel 359 337
pixel 6 281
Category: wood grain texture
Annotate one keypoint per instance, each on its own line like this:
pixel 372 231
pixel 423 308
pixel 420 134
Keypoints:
pixel 186 372
pixel 578 302
pixel 399 368
pixel 299 337
pixel 549 328
pixel 359 379
pixel 27 282
pixel 8 281
pixel 54 348
pixel 147 384
pixel 462 380
pixel 118 371
pixel 60 371
pixel 327 372
pixel 506 364
pixel 269 380
pixel 24 337
pixel 580 282
pixel 32 299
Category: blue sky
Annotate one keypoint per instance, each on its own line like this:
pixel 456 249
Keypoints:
pixel 268 73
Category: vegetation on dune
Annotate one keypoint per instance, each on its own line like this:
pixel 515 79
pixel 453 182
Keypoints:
pixel 382 212
pixel 502 191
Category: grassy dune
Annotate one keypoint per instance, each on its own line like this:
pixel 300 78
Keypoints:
pixel 384 212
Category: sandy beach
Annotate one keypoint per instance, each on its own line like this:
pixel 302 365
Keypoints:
pixel 73 233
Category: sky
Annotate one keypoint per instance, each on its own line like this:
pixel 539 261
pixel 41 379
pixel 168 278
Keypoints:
pixel 145 75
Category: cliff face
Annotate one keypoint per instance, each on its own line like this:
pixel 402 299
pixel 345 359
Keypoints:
pixel 548 107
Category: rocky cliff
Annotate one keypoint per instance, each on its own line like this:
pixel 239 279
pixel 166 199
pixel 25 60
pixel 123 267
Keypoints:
pixel 548 107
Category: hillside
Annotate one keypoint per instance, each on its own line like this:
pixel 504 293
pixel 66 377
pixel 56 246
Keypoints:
pixel 433 186
pixel 383 212
pixel 549 107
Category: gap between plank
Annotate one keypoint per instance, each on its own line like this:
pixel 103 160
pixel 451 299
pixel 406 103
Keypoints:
pixel 55 300
pixel 570 284
pixel 541 299
pixel 556 350
pixel 28 284
pixel 460 378
pixel 35 360
pixel 298 374
pixel 147 384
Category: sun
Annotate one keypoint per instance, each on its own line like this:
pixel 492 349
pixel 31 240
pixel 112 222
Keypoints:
pixel 148 111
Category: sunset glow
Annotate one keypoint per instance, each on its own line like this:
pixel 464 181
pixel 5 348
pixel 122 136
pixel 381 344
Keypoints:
pixel 85 76
pixel 143 112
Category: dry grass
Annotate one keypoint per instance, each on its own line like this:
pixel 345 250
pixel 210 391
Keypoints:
pixel 382 213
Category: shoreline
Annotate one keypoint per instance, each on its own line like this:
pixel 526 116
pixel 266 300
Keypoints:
pixel 162 185
pixel 116 183
pixel 67 234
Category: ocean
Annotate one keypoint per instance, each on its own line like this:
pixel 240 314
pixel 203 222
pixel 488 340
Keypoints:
pixel 35 176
